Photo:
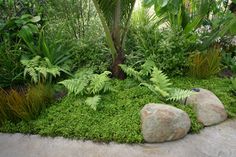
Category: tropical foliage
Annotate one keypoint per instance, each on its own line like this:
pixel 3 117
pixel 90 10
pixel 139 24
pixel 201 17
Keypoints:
pixel 40 70
pixel 128 54
pixel 89 84
pixel 158 82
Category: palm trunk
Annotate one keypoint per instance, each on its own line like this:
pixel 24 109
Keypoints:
pixel 115 33
pixel 116 36
pixel 116 70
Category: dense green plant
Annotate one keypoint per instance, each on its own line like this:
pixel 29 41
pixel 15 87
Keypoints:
pixel 57 50
pixel 13 8
pixel 78 32
pixel 158 82
pixel 77 16
pixel 233 85
pixel 142 37
pixel 89 84
pixel 118 119
pixel 220 26
pixel 10 67
pixel 40 69
pixel 115 16
pixel 24 104
pixel 168 48
pixel 181 14
pixel 206 64
pixel 12 47
pixel 229 61
pixel 92 53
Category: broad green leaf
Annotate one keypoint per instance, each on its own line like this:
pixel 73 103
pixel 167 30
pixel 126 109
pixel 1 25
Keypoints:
pixel 35 19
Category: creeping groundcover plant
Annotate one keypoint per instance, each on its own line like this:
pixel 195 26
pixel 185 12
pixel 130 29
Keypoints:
pixel 86 69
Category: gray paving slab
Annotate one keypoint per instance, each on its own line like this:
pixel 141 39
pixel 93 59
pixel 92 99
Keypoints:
pixel 215 141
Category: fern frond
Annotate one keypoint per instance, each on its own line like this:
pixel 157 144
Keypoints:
pixel 98 82
pixel 32 73
pixel 150 87
pixel 108 88
pixel 131 72
pixel 160 80
pixel 84 72
pixel 37 67
pixel 76 86
pixel 147 68
pixel 177 94
pixel 162 92
pixel 93 101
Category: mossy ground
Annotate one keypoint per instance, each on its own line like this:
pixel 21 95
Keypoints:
pixel 118 115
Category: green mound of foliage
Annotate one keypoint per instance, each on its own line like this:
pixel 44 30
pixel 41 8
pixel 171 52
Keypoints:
pixel 118 115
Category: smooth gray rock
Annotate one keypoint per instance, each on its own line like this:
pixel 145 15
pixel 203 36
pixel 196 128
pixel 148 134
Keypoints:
pixel 162 123
pixel 209 108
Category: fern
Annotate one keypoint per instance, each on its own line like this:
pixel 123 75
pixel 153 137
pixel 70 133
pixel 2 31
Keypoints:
pixel 39 69
pixel 161 82
pixel 89 84
pixel 147 67
pixel 84 72
pixel 131 72
pixel 150 87
pixel 93 101
pixel 76 86
pixel 177 94
pixel 30 67
pixel 98 83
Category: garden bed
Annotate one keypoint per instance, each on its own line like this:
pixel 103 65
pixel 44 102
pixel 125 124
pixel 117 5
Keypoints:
pixel 118 115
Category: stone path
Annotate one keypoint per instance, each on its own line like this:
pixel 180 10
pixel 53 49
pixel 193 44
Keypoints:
pixel 216 141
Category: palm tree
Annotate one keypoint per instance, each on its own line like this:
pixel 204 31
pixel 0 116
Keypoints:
pixel 115 16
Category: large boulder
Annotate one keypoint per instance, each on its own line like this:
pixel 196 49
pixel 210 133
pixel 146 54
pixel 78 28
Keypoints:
pixel 208 107
pixel 162 123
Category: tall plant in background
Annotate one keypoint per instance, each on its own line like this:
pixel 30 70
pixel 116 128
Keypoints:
pixel 205 64
pixel 12 47
pixel 184 15
pixel 13 8
pixel 76 15
pixel 115 16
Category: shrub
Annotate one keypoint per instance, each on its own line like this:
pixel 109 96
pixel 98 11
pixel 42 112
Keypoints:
pixel 229 61
pixel 168 48
pixel 12 47
pixel 206 64
pixel 20 104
